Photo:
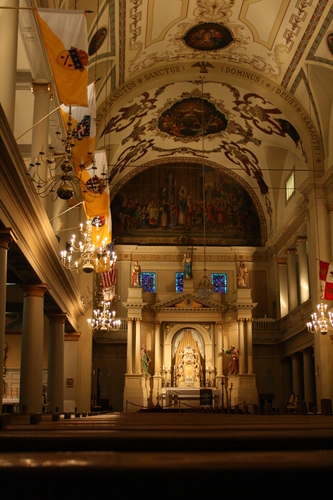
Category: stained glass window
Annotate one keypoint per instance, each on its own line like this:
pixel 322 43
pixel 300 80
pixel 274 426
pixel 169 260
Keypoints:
pixel 179 282
pixel 219 282
pixel 147 281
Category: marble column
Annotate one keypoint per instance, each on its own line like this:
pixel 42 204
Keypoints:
pixel 158 360
pixel 292 278
pixel 8 58
pixel 304 286
pixel 283 287
pixel 241 336
pixel 55 367
pixel 138 346
pixel 31 380
pixel 249 346
pixel 297 375
pixel 129 358
pixel 309 376
pixel 6 237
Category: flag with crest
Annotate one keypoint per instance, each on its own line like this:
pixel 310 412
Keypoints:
pixel 84 129
pixel 326 276
pixel 66 41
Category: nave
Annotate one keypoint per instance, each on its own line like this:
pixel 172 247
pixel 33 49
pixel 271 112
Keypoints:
pixel 160 453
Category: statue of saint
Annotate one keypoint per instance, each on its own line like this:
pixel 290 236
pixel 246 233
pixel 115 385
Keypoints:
pixel 136 274
pixel 242 275
pixel 145 360
pixel 187 261
pixel 233 368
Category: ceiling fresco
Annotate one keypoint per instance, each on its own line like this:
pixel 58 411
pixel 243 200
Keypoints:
pixel 232 84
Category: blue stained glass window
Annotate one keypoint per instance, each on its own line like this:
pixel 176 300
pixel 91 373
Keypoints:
pixel 219 282
pixel 179 282
pixel 147 281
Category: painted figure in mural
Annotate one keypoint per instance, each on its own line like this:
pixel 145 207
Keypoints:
pixel 187 261
pixel 136 274
pixel 233 368
pixel 242 275
pixel 145 360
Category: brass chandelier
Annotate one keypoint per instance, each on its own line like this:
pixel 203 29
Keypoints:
pixel 90 257
pixel 104 319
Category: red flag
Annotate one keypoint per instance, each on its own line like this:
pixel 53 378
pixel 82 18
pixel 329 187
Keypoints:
pixel 326 275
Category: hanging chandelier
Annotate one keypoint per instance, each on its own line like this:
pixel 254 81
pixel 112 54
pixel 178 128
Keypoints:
pixel 43 171
pixel 320 322
pixel 91 257
pixel 205 287
pixel 46 180
pixel 104 319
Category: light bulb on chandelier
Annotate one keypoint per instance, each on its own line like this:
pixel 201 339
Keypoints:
pixel 104 319
pixel 91 257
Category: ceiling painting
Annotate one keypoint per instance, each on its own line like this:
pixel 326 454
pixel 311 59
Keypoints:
pixel 208 36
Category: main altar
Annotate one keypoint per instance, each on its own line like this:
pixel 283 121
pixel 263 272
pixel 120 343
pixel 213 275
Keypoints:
pixel 186 339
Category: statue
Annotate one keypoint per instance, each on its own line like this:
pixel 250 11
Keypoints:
pixel 233 368
pixel 145 360
pixel 242 275
pixel 136 274
pixel 187 261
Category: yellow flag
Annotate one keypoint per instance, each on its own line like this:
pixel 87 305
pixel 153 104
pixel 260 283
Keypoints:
pixel 66 41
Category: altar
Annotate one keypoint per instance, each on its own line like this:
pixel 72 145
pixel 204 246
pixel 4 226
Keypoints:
pixel 186 397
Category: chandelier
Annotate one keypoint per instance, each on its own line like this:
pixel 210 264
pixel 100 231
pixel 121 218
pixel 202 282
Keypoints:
pixel 44 175
pixel 104 319
pixel 205 287
pixel 320 323
pixel 91 257
pixel 43 170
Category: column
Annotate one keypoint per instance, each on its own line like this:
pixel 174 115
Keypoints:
pixel 241 336
pixel 138 346
pixel 129 359
pixel 297 375
pixel 31 380
pixel 55 367
pixel 309 376
pixel 8 57
pixel 292 279
pixel 249 346
pixel 158 360
pixel 283 287
pixel 303 270
pixel 6 236
pixel 40 132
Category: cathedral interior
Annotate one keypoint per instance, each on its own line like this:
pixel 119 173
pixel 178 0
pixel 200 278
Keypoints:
pixel 213 120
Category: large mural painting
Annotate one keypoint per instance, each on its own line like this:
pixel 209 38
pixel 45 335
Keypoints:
pixel 164 205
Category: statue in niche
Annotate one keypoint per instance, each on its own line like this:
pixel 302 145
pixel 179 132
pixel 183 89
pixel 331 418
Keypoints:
pixel 187 362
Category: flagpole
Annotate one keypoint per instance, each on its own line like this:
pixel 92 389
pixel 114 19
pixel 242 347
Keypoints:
pixel 34 125
pixel 62 213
